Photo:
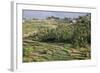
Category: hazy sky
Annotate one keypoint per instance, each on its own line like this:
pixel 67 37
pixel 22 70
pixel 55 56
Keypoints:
pixel 29 14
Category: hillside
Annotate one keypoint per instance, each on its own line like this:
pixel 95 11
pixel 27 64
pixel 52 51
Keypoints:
pixel 50 40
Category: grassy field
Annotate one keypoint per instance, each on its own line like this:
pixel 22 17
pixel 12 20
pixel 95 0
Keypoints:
pixel 44 40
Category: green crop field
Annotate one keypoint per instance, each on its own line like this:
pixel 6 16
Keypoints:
pixel 56 40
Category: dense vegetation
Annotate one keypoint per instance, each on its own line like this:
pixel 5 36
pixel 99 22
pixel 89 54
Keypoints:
pixel 57 39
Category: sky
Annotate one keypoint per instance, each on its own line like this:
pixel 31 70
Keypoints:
pixel 30 14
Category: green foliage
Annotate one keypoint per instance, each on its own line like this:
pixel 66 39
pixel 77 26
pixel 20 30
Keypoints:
pixel 57 39
pixel 82 32
pixel 61 33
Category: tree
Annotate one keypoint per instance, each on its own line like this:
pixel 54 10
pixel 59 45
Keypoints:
pixel 82 31
pixel 53 17
pixel 68 20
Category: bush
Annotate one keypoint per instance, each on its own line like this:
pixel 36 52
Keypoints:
pixel 61 33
